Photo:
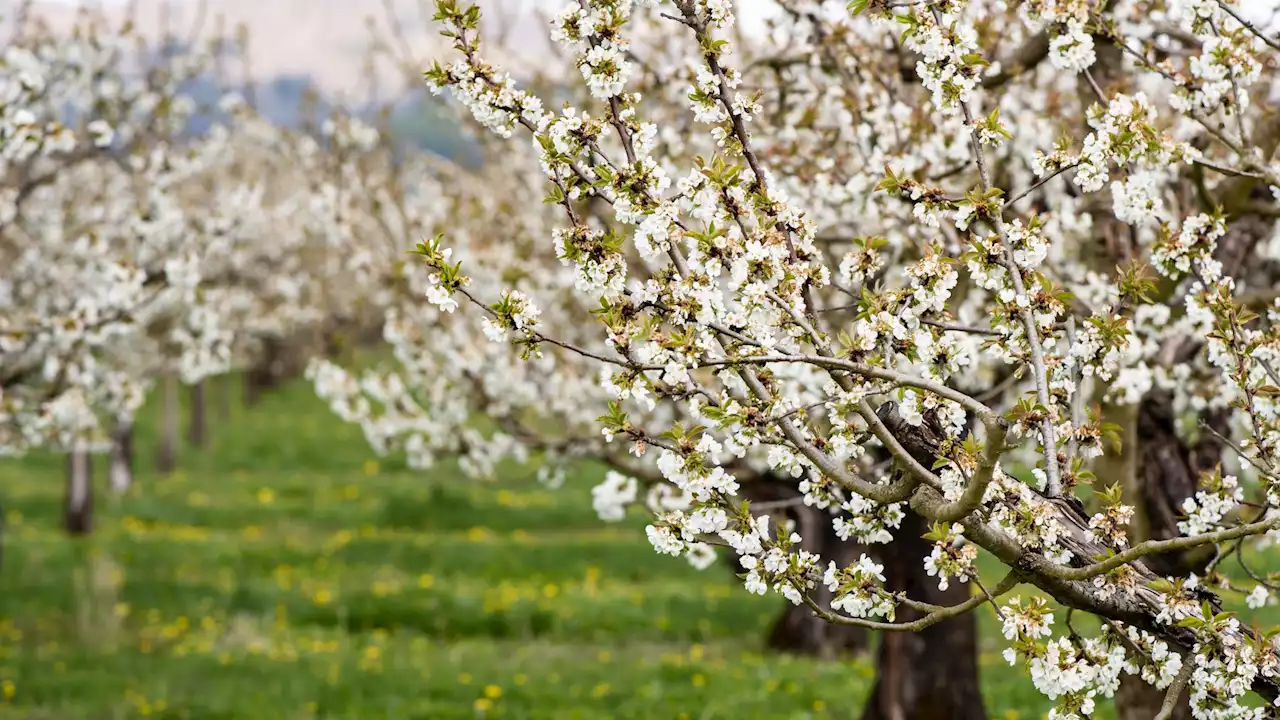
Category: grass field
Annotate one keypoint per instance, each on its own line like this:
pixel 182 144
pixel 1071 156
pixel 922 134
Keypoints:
pixel 283 574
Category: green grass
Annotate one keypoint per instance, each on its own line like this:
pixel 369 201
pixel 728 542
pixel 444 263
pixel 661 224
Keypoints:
pixel 282 574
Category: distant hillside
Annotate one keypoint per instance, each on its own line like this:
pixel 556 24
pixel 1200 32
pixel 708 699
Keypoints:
pixel 325 45
pixel 418 119
pixel 288 65
pixel 325 40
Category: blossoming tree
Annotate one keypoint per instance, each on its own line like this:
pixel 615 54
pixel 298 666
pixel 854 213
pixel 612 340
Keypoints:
pixel 891 237
pixel 93 246
pixel 133 254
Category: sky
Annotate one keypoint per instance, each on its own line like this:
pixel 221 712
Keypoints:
pixel 751 12
pixel 326 39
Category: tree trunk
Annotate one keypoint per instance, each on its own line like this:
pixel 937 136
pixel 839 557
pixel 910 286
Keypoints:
pixel 264 375
pixel 78 512
pixel 120 471
pixel 798 630
pixel 1143 457
pixel 1136 700
pixel 196 425
pixel 222 390
pixel 932 674
pixel 166 452
pixel 253 382
pixel 1168 472
pixel 335 344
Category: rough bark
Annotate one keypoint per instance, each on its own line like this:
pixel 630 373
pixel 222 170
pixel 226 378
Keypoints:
pixel 120 470
pixel 167 449
pixel 1137 700
pixel 1168 471
pixel 933 674
pixel 78 509
pixel 197 425
pixel 1161 471
pixel 1138 605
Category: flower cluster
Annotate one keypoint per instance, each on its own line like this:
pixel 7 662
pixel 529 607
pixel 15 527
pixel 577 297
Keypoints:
pixel 1123 134
pixel 951 556
pixel 611 497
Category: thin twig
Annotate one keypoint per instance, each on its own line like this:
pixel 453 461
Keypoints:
pixel 1249 26
pixel 1040 184
pixel 1174 693
pixel 957 327
pixel 992 600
